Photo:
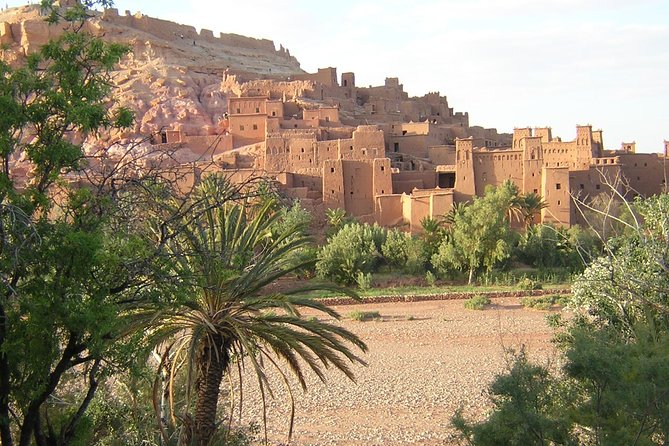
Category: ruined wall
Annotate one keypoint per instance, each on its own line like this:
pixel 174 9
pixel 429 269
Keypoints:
pixel 325 76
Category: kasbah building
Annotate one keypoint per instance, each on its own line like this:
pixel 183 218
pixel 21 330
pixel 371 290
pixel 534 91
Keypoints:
pixel 395 160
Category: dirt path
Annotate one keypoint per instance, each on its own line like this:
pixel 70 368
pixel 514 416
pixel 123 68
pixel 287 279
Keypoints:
pixel 426 360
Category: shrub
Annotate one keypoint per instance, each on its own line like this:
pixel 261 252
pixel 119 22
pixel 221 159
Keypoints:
pixel 402 251
pixel 430 278
pixel 543 302
pixel 364 280
pixel 364 316
pixel 354 249
pixel 528 284
pixel 477 302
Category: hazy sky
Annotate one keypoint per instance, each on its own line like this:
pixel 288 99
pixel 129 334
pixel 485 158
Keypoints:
pixel 509 63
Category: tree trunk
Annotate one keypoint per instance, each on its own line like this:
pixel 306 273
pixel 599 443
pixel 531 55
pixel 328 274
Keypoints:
pixel 212 361
pixel 471 275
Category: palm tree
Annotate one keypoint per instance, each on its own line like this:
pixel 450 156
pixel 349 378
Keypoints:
pixel 531 205
pixel 229 256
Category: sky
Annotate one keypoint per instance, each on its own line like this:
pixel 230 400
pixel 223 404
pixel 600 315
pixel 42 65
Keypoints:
pixel 509 63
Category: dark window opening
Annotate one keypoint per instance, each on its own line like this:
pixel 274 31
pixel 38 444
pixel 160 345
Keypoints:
pixel 331 169
pixel 383 168
pixel 241 127
pixel 558 186
pixel 396 147
pixel 597 186
pixel 536 191
pixel 447 180
pixel 582 186
pixel 255 126
pixel 273 113
pixel 257 110
pixel 239 111
pixel 559 202
pixel 163 137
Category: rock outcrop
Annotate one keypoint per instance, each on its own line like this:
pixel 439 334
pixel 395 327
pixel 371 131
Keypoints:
pixel 174 78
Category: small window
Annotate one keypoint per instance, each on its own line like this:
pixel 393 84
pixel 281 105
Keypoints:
pixel 383 168
pixel 331 169
pixel 638 178
pixel 536 191
pixel 582 186
pixel 332 191
pixel 383 191
pixel 327 119
pixel 241 127
pixel 559 203
pixel 558 186
pixel 255 126
pixel 351 148
pixel 597 186
pixel 273 113
pixel 257 109
pixel 239 111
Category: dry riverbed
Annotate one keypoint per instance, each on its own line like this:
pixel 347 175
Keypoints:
pixel 425 360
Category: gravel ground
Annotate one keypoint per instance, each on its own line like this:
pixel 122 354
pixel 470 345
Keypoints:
pixel 425 360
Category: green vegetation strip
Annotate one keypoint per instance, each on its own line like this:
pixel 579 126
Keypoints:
pixel 445 295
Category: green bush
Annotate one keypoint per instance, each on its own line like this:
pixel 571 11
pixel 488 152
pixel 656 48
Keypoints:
pixel 430 278
pixel 528 284
pixel 543 302
pixel 354 249
pixel 477 302
pixel 363 316
pixel 364 280
pixel 404 252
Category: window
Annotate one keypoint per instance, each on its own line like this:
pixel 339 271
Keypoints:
pixel 536 191
pixel 327 119
pixel 332 170
pixel 559 203
pixel 257 109
pixel 597 186
pixel 273 113
pixel 255 126
pixel 382 191
pixel 558 186
pixel 582 186
pixel 241 127
pixel 238 110
pixel 383 168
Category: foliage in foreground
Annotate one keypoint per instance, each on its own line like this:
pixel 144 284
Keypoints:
pixel 614 385
pixel 227 256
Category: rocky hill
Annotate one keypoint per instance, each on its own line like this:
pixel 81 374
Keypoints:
pixel 174 77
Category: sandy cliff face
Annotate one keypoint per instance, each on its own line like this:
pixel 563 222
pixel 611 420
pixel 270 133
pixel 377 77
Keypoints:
pixel 175 77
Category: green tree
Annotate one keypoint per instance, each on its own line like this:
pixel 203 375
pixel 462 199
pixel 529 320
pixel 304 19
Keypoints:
pixel 479 237
pixel 531 205
pixel 228 256
pixel 66 278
